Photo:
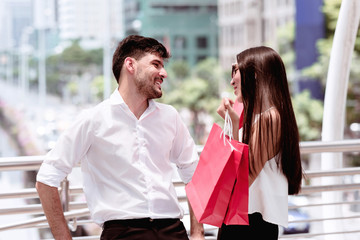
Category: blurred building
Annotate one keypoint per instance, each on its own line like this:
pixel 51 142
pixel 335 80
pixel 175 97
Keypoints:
pixel 19 20
pixel 45 21
pixel 188 28
pixel 310 27
pixel 90 21
pixel 249 23
pixel 15 16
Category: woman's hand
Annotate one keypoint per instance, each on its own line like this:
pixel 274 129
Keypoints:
pixel 227 104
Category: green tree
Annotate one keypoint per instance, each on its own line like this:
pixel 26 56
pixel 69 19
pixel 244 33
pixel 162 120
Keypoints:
pixel 70 65
pixel 97 87
pixel 308 111
pixel 309 114
pixel 198 92
pixel 331 9
pixel 286 39
pixel 177 70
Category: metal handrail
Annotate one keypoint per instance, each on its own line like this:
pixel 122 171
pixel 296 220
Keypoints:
pixel 35 221
pixel 37 208
pixel 346 145
pixel 307 235
pixel 26 193
pixel 326 188
pixel 27 163
pixel 79 209
pixel 332 173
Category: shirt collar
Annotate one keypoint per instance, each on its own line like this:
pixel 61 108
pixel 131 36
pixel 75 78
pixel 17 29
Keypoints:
pixel 116 99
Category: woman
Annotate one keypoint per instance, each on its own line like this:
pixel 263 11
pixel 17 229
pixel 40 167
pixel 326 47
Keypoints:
pixel 260 82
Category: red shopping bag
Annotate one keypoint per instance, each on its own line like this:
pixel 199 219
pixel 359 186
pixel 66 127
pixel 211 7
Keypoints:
pixel 212 184
pixel 239 107
pixel 237 213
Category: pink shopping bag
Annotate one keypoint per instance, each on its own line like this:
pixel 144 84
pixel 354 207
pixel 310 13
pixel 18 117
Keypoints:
pixel 211 188
pixel 237 213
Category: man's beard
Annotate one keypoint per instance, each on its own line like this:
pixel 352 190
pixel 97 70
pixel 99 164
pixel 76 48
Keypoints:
pixel 146 87
pixel 149 91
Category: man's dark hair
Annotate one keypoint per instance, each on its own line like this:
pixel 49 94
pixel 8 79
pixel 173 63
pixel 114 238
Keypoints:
pixel 136 46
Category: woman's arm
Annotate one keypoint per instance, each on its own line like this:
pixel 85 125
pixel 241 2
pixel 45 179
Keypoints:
pixel 264 144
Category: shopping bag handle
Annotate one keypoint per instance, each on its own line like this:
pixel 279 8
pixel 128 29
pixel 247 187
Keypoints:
pixel 227 129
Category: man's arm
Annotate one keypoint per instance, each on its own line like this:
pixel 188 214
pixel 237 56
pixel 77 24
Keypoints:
pixel 196 228
pixel 50 200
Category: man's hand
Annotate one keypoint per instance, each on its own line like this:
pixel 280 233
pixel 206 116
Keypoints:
pixel 196 228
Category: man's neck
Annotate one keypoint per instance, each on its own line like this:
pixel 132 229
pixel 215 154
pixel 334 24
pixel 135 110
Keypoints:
pixel 136 103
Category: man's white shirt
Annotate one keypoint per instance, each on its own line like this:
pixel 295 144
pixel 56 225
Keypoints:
pixel 125 161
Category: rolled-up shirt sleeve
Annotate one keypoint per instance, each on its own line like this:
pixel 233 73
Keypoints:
pixel 184 152
pixel 50 175
pixel 70 148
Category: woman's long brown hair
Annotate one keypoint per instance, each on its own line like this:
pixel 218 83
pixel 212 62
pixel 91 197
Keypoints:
pixel 264 83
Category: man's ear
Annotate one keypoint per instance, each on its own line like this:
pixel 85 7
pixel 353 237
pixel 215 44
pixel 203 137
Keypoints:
pixel 129 64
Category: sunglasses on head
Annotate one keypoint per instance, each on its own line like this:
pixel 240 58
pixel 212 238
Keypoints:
pixel 234 68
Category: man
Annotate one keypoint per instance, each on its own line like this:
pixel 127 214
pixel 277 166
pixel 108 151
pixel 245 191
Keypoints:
pixel 126 145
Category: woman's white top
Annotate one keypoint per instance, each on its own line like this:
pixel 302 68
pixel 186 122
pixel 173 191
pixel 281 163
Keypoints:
pixel 268 194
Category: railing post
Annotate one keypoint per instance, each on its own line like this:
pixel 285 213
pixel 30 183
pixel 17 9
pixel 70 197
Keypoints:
pixel 64 195
pixel 65 200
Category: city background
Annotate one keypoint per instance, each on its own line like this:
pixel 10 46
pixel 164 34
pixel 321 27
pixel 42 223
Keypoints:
pixel 55 60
